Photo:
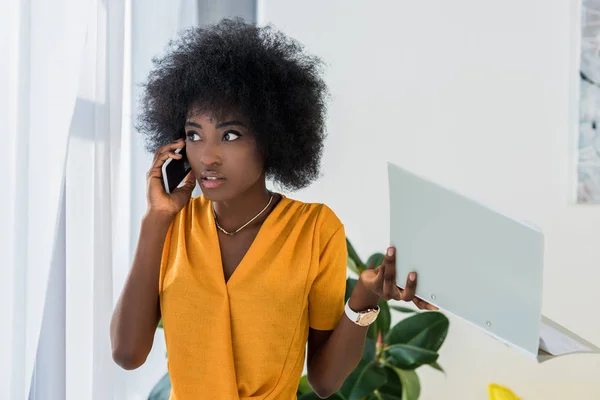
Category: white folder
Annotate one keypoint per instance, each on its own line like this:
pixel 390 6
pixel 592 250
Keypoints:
pixel 475 263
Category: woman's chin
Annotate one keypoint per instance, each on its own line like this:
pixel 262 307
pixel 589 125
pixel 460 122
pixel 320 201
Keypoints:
pixel 216 195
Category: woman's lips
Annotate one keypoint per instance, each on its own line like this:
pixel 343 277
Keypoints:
pixel 212 183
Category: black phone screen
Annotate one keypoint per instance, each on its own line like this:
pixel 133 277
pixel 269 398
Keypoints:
pixel 176 171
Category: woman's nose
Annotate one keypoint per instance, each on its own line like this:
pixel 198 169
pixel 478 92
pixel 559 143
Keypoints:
pixel 211 154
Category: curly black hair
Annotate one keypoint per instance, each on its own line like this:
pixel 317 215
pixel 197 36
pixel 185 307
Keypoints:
pixel 257 73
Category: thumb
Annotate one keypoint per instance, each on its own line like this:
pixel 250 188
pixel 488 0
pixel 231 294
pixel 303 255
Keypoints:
pixel 369 275
pixel 189 183
pixel 190 180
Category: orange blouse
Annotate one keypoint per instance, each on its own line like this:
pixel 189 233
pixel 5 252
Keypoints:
pixel 246 338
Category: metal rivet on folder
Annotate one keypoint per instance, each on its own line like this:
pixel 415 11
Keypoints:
pixel 488 323
pixel 433 296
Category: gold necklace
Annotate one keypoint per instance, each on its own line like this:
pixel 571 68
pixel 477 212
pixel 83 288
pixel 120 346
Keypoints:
pixel 243 226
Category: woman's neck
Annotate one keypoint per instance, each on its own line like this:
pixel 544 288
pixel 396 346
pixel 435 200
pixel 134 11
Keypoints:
pixel 236 212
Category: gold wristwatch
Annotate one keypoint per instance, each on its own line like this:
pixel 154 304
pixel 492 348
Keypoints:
pixel 362 318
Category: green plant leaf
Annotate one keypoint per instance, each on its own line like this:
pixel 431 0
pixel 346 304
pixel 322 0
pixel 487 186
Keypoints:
pixel 393 386
pixel 352 266
pixel 403 309
pixel 370 351
pixel 437 366
pixel 385 396
pixel 375 261
pixel 303 386
pixel 371 378
pixel 373 330
pixel 426 330
pixel 382 323
pixel 384 319
pixel 350 283
pixel 410 357
pixel 354 256
pixel 411 386
pixel 162 389
pixel 160 324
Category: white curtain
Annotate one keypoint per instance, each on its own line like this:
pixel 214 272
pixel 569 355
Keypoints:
pixel 61 99
pixel 73 187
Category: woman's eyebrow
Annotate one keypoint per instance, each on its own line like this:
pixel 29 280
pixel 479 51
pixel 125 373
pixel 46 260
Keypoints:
pixel 218 126
pixel 230 123
pixel 195 125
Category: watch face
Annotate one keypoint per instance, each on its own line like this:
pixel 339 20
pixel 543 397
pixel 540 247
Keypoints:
pixel 367 319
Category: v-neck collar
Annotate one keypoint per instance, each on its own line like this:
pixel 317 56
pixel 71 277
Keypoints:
pixel 256 246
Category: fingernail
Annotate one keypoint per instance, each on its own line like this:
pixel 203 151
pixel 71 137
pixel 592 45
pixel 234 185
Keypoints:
pixel 390 252
pixel 412 276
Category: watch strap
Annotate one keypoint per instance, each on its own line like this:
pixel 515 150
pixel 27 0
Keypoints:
pixel 357 316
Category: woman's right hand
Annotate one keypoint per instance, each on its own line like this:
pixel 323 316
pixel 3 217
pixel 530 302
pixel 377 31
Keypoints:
pixel 159 201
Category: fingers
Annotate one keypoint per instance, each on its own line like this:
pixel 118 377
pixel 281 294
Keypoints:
pixel 178 144
pixel 162 154
pixel 390 289
pixel 408 294
pixel 182 194
pixel 189 183
pixel 370 278
pixel 378 272
pixel 383 281
pixel 423 305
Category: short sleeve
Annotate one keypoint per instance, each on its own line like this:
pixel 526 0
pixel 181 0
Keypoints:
pixel 326 296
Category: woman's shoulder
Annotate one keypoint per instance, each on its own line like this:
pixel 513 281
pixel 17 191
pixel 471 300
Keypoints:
pixel 321 212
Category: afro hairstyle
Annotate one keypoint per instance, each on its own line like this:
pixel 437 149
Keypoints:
pixel 234 68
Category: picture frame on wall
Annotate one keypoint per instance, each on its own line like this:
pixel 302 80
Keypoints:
pixel 588 143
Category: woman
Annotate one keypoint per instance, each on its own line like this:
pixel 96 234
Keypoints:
pixel 243 278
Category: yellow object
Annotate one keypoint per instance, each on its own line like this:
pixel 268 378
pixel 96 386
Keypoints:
pixel 246 338
pixel 498 392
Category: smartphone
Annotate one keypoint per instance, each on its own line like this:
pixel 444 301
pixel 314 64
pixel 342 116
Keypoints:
pixel 174 171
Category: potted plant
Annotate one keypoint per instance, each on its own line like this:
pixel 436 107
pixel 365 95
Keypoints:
pixel 391 356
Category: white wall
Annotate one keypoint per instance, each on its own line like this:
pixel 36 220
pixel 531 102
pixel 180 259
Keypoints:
pixel 475 95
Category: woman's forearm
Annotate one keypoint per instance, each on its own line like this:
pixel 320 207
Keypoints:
pixel 340 355
pixel 137 312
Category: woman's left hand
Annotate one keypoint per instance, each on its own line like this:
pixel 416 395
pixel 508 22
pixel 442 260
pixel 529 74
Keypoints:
pixel 382 281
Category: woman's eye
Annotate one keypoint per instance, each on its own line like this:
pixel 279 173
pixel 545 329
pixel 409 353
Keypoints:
pixel 193 136
pixel 231 136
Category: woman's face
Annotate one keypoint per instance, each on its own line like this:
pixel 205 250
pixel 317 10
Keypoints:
pixel 223 155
